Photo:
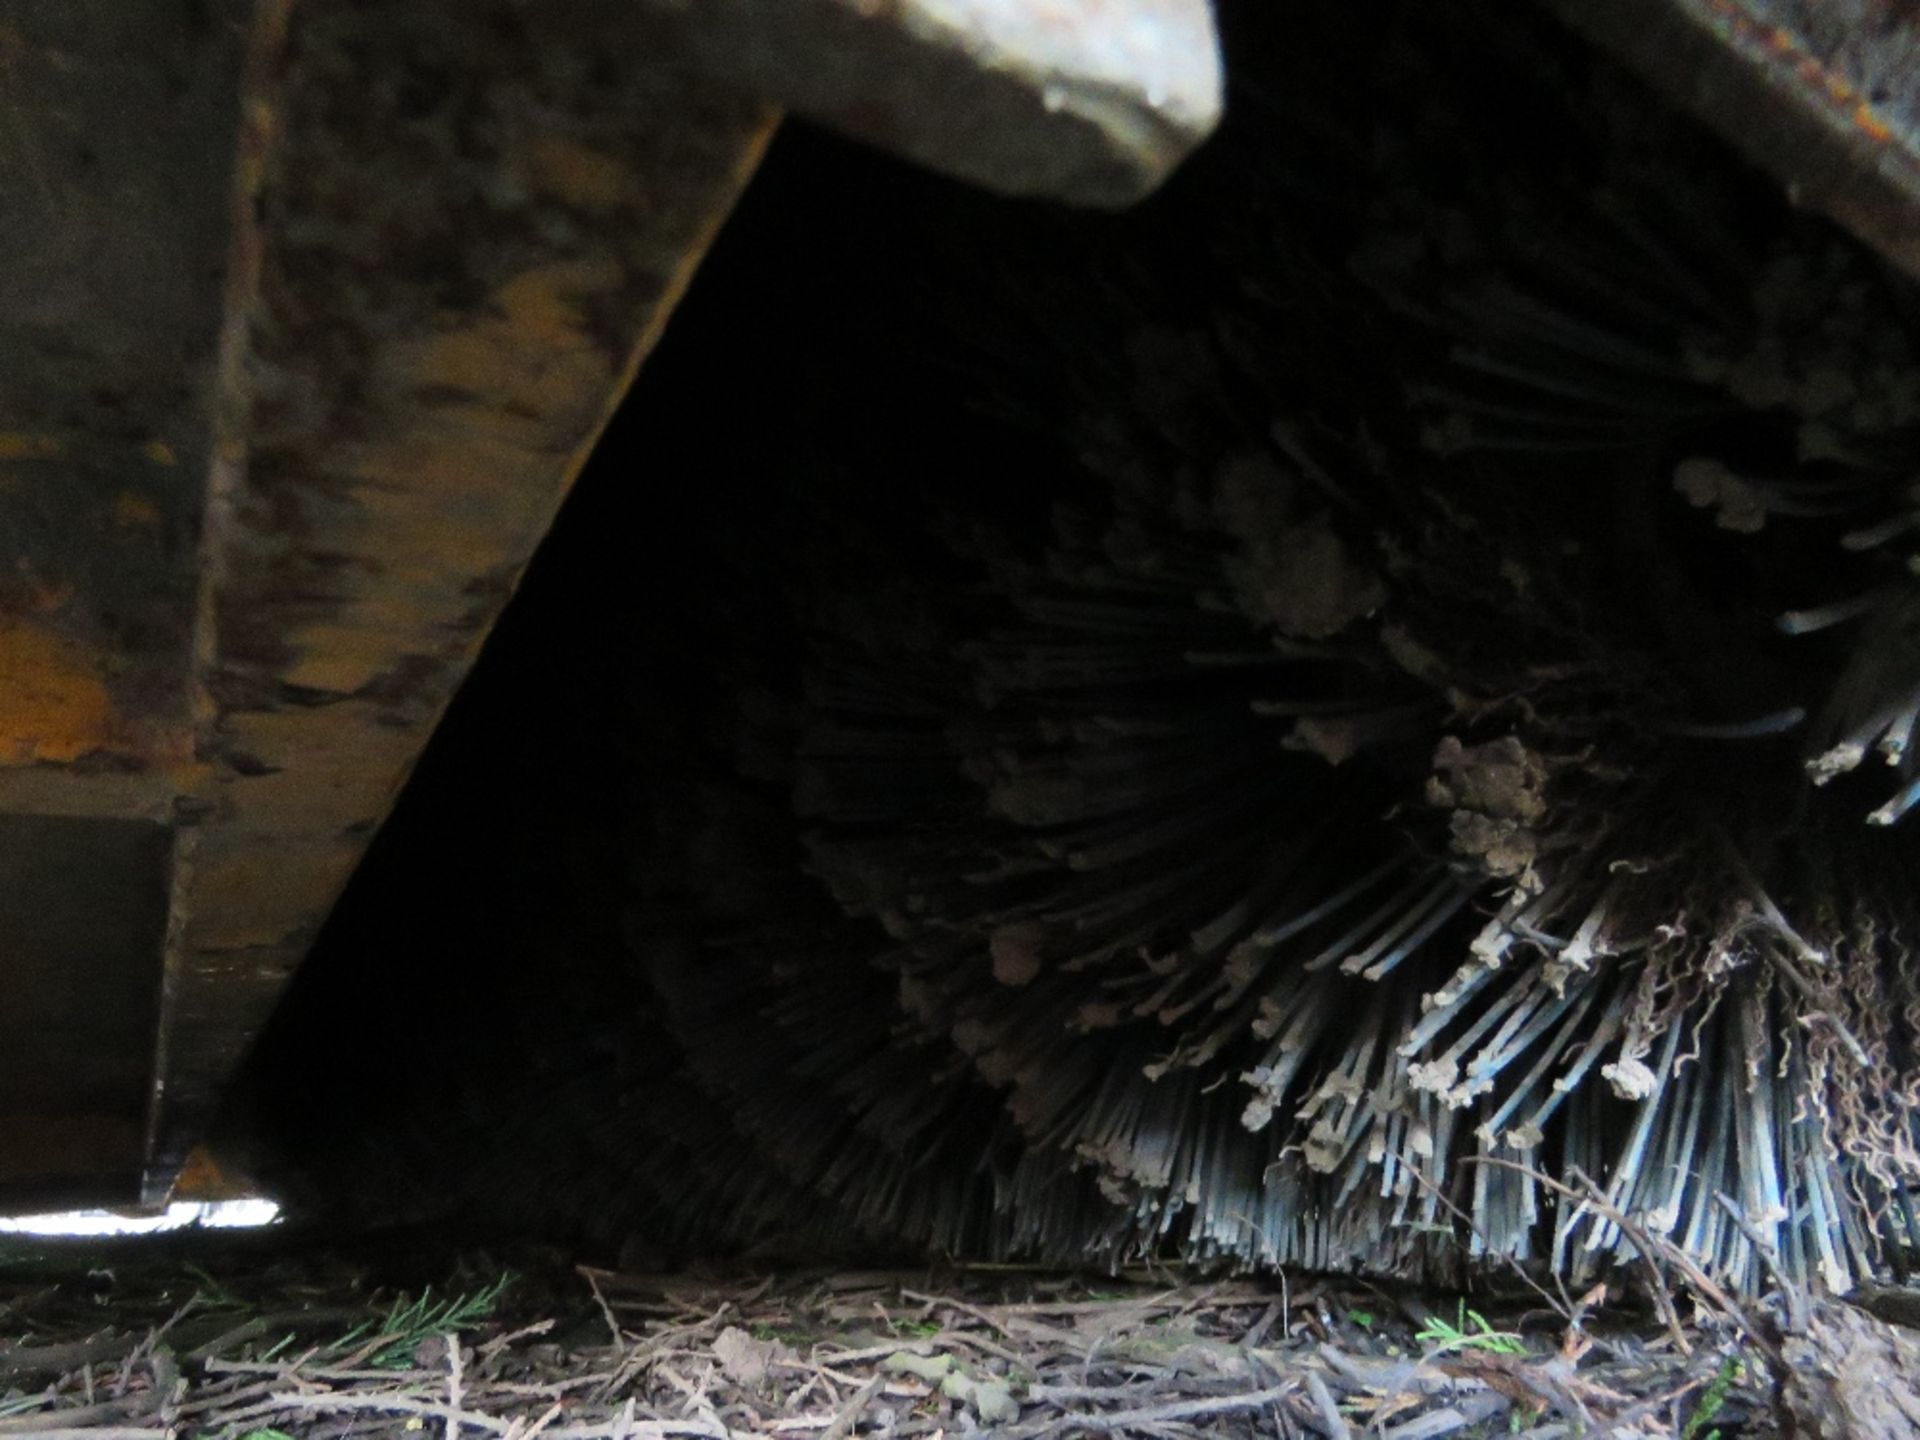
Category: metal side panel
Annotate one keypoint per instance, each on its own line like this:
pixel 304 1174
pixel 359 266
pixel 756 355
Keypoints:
pixel 461 226
pixel 1825 95
pixel 117 126
pixel 309 314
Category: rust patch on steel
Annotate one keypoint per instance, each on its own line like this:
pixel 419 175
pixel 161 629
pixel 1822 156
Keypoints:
pixel 116 127
pixel 54 705
pixel 205 1177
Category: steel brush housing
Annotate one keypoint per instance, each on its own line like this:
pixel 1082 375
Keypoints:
pixel 1358 717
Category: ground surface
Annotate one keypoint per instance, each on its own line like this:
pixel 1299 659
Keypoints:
pixel 209 1336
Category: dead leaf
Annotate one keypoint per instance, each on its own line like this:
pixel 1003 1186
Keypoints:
pixel 745 1359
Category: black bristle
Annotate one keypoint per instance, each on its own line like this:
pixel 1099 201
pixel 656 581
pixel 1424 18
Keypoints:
pixel 1239 732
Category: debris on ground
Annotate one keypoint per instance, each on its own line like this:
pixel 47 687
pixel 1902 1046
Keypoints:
pixel 1850 1376
pixel 275 1348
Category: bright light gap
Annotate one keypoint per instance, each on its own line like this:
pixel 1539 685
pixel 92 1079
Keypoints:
pixel 209 1214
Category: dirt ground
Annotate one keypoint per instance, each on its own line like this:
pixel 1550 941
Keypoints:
pixel 247 1338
